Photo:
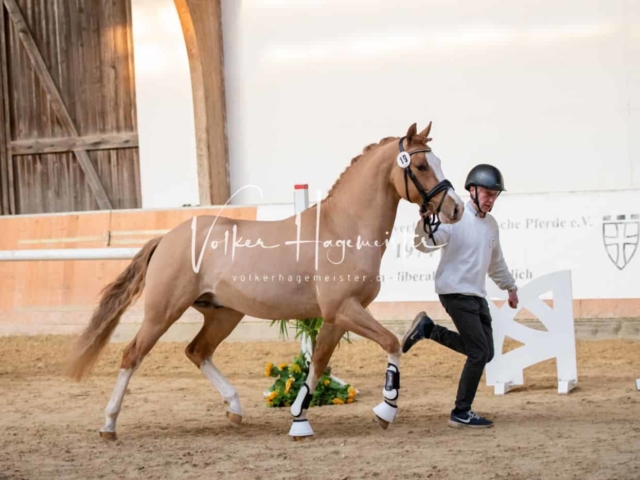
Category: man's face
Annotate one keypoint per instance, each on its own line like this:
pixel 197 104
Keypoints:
pixel 486 198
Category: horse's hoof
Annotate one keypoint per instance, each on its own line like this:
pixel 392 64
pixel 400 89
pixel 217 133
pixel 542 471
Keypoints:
pixel 302 439
pixel 383 423
pixel 300 430
pixel 385 414
pixel 111 436
pixel 234 418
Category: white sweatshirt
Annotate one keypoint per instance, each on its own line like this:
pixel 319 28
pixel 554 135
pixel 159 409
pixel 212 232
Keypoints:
pixel 472 252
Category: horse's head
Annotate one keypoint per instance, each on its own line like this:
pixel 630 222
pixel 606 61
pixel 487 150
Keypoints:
pixel 418 178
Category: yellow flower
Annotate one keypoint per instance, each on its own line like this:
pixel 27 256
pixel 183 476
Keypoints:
pixel 338 401
pixel 352 392
pixel 350 400
pixel 295 368
pixel 267 369
pixel 272 395
pixel 327 382
pixel 282 366
pixel 287 387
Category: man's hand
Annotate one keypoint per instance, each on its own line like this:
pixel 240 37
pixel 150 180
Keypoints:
pixel 513 299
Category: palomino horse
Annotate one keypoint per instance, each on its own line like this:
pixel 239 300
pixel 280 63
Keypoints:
pixel 324 262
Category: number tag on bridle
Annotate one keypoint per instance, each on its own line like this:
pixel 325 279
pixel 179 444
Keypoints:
pixel 404 159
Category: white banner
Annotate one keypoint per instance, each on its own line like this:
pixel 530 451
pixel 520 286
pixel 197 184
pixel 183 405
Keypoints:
pixel 592 234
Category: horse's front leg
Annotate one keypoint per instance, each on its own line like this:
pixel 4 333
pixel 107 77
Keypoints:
pixel 387 410
pixel 353 317
pixel 326 342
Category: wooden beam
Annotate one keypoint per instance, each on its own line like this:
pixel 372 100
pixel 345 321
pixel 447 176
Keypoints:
pixel 6 163
pixel 199 102
pixel 66 144
pixel 56 100
pixel 4 177
pixel 202 26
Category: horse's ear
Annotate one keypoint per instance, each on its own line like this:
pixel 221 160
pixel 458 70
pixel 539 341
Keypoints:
pixel 425 132
pixel 411 132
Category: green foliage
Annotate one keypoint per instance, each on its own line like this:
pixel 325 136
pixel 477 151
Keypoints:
pixel 309 327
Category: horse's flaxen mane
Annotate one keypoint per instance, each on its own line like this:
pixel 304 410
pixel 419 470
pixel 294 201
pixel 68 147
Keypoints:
pixel 366 149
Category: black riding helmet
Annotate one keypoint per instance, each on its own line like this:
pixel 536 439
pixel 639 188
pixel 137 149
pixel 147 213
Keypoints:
pixel 486 176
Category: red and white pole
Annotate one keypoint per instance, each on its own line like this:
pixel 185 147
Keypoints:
pixel 300 197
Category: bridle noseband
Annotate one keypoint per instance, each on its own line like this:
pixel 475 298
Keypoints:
pixel 431 222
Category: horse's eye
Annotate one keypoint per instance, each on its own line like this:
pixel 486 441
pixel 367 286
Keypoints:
pixel 422 168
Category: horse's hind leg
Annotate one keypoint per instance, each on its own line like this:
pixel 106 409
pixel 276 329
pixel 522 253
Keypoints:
pixel 326 342
pixel 218 324
pixel 158 317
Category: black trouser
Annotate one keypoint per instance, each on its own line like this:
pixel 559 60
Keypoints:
pixel 472 319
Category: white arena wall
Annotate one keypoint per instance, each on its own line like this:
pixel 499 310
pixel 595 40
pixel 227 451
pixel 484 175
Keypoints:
pixel 164 102
pixel 547 91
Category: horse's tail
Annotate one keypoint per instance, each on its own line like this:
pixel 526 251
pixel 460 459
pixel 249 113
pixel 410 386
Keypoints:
pixel 116 298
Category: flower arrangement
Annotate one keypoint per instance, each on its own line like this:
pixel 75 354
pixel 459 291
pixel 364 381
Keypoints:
pixel 291 376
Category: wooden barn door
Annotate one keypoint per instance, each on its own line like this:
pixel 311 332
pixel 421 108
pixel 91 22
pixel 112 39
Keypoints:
pixel 68 139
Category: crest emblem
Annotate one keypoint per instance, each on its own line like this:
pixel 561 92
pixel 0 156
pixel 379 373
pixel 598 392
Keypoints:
pixel 620 237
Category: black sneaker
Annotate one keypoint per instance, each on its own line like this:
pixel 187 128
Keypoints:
pixel 420 329
pixel 469 419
